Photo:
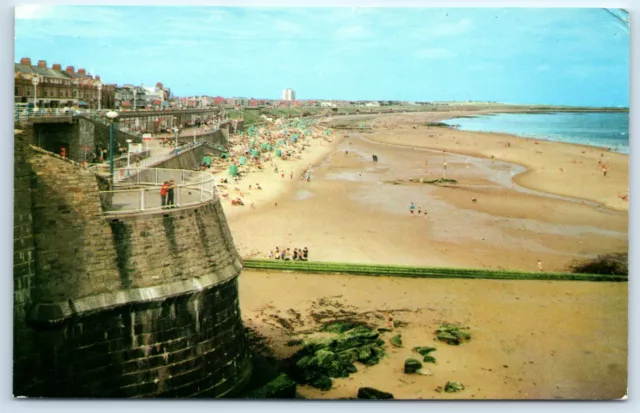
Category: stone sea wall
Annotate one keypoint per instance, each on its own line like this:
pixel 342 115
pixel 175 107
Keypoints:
pixel 138 305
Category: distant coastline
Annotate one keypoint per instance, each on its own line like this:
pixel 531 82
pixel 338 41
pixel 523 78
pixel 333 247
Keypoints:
pixel 603 129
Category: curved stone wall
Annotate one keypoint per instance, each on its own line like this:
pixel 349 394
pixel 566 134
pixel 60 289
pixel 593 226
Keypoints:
pixel 137 305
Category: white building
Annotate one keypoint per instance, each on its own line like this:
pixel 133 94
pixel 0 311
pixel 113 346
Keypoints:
pixel 288 94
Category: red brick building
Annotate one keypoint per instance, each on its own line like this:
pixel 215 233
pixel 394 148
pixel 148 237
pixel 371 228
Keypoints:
pixel 57 88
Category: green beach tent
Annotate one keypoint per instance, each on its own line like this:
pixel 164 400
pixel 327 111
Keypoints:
pixel 255 153
pixel 233 170
pixel 243 160
pixel 278 153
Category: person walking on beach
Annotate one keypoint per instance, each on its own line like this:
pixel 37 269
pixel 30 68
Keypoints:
pixel 170 193
pixel 163 193
pixel 305 254
pixel 604 170
pixel 412 207
pixel 419 211
pixel 539 265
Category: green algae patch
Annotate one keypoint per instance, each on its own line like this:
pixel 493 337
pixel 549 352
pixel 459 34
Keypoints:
pixel 424 351
pixel 429 359
pixel 396 340
pixel 282 387
pixel 411 366
pixel 343 326
pixel 453 334
pixel 321 359
pixel 369 393
pixel 453 387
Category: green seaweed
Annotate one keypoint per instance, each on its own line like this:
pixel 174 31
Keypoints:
pixel 396 340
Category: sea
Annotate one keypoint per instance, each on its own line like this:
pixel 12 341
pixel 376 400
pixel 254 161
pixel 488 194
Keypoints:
pixel 602 129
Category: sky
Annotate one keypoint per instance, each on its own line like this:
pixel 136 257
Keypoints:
pixel 556 56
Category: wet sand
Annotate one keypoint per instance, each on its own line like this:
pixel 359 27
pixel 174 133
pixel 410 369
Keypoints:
pixel 530 339
pixel 352 211
pixel 564 340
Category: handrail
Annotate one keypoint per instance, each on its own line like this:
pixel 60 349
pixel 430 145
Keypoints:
pixel 140 190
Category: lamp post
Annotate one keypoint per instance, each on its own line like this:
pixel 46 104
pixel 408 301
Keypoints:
pixel 112 117
pixel 175 130
pixel 99 86
pixel 35 82
pixel 129 153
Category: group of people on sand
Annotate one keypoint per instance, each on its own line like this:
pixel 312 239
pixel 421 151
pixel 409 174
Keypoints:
pixel 412 210
pixel 167 191
pixel 299 254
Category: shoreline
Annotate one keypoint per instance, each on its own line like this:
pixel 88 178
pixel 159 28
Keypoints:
pixel 526 136
pixel 351 212
pixel 525 178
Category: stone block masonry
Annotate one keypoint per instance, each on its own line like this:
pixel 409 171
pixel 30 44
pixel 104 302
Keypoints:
pixel 190 345
pixel 137 305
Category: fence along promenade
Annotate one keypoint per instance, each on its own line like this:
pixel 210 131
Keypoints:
pixel 139 190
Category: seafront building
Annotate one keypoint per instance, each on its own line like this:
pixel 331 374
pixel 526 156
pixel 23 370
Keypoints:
pixel 55 88
pixel 289 95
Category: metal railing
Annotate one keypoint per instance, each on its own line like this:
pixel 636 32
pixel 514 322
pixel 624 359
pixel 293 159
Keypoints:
pixel 139 190
pixel 146 162
pixel 26 113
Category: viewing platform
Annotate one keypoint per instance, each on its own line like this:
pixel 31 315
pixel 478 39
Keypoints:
pixel 137 190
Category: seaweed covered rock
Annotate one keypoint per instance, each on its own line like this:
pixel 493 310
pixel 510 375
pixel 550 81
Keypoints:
pixel 342 326
pixel 411 366
pixel 282 387
pixel 424 351
pixel 323 383
pixel 396 340
pixel 429 359
pixel 452 334
pixel 453 387
pixel 369 393
pixel 321 359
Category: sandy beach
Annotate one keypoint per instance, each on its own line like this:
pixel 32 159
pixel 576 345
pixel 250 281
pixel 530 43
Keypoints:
pixel 529 339
pixel 356 210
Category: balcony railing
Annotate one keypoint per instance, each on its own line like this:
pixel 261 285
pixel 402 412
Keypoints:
pixel 139 190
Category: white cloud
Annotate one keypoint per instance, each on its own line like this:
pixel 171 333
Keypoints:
pixel 435 54
pixel 350 32
pixel 31 12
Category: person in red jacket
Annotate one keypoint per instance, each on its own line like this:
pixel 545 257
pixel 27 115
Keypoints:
pixel 164 189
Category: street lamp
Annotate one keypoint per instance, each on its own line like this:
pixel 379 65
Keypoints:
pixel 112 117
pixel 35 82
pixel 175 130
pixel 129 153
pixel 99 86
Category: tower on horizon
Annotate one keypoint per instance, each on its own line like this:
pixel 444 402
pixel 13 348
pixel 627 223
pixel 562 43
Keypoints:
pixel 288 94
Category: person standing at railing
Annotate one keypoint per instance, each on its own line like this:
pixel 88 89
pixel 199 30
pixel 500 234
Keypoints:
pixel 170 193
pixel 164 189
